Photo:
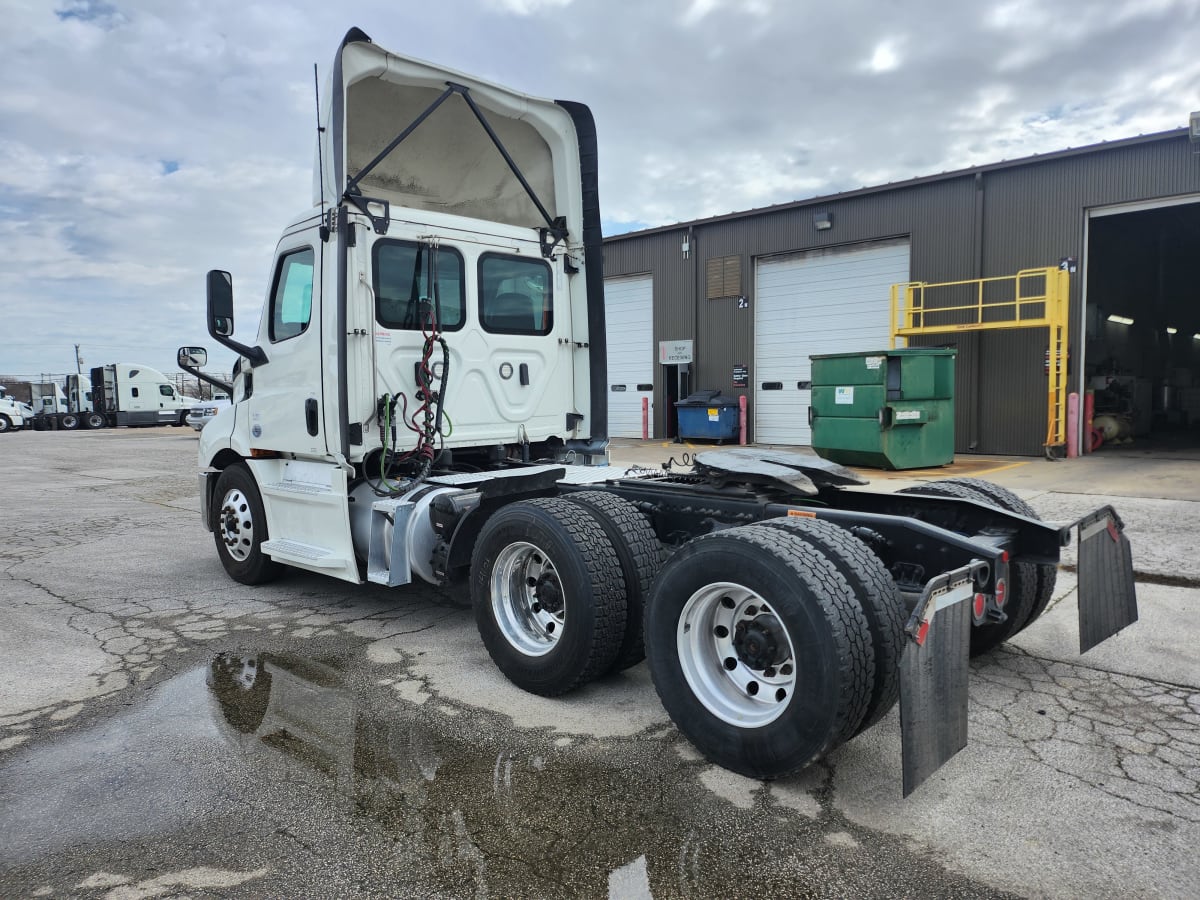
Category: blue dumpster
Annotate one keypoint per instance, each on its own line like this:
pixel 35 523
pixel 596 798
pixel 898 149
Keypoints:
pixel 708 416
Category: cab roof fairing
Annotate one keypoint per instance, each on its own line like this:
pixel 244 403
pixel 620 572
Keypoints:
pixel 448 163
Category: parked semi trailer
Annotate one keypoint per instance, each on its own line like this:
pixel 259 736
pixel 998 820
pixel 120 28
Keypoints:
pixel 424 401
pixel 66 406
pixel 133 394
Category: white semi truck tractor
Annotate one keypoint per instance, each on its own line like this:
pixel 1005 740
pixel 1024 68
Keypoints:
pixel 65 406
pixel 424 401
pixel 133 394
pixel 13 413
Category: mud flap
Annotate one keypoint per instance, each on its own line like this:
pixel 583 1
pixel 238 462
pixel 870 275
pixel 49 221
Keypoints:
pixel 934 673
pixel 1107 595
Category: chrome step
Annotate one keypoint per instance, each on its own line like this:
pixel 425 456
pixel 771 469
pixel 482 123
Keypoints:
pixel 307 554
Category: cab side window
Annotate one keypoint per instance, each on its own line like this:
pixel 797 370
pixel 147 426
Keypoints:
pixel 291 300
pixel 167 391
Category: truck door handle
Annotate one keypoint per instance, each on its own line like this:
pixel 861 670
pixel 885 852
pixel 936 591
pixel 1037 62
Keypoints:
pixel 310 415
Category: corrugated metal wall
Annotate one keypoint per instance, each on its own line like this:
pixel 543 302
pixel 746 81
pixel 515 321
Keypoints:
pixel 978 224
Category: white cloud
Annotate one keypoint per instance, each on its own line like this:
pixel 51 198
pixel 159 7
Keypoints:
pixel 884 58
pixel 147 141
pixel 527 7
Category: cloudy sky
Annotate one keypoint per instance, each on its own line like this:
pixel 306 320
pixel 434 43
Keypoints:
pixel 143 142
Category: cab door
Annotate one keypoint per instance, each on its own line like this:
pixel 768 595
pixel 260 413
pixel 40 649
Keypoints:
pixel 168 405
pixel 284 395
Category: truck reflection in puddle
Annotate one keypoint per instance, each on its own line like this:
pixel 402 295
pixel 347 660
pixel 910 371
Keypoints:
pixel 491 810
pixel 484 815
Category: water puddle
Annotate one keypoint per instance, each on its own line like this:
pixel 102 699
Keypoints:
pixel 270 763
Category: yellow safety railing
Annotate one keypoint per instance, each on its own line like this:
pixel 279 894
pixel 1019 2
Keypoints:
pixel 1033 298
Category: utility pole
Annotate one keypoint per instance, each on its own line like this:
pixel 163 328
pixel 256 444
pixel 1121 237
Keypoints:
pixel 78 362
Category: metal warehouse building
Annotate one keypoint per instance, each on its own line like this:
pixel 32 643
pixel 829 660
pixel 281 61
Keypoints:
pixel 758 292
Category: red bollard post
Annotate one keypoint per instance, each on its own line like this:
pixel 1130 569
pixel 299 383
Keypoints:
pixel 645 418
pixel 742 419
pixel 1072 425
pixel 1089 413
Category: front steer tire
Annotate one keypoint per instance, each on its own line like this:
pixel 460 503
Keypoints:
pixel 239 527
pixel 759 650
pixel 549 595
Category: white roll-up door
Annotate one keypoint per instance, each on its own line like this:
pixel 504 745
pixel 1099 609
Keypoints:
pixel 629 327
pixel 834 300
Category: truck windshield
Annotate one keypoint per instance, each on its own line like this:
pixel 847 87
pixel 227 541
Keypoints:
pixel 403 274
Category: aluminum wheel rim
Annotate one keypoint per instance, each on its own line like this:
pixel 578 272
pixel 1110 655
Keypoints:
pixel 521 574
pixel 724 683
pixel 236 525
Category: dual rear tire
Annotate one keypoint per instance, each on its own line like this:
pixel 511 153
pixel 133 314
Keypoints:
pixel 772 644
pixel 768 644
pixel 549 595
pixel 1030 585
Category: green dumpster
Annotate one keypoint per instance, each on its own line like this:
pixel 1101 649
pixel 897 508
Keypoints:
pixel 889 409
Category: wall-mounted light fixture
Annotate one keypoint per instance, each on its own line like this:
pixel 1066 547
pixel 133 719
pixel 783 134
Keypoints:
pixel 823 221
pixel 1171 330
pixel 1121 320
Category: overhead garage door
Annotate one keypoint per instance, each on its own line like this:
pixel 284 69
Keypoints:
pixel 833 300
pixel 629 326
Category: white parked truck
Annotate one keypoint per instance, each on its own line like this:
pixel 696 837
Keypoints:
pixel 424 401
pixel 12 413
pixel 133 394
pixel 66 406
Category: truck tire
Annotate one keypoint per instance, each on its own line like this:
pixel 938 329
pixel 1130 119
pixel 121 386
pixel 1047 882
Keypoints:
pixel 640 555
pixel 181 421
pixel 239 527
pixel 6 424
pixel 1022 576
pixel 877 594
pixel 759 650
pixel 94 420
pixel 68 421
pixel 1047 574
pixel 549 595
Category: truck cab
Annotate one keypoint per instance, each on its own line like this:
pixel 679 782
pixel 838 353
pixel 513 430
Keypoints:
pixel 134 394
pixel 12 413
pixel 438 304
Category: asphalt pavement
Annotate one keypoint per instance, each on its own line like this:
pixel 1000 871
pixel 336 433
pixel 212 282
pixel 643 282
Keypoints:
pixel 166 732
